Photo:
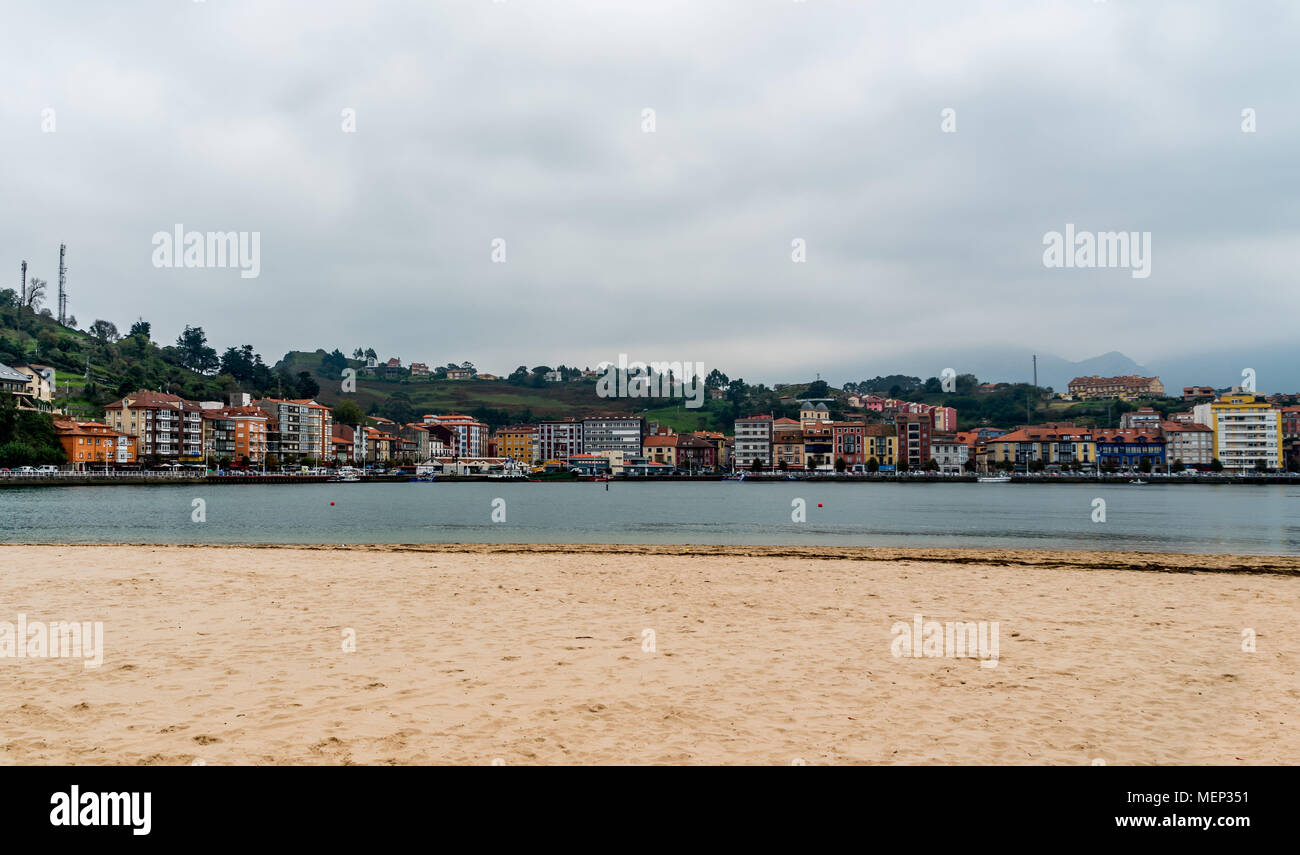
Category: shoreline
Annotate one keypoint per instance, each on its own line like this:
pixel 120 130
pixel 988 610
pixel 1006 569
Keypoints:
pixel 1089 559
pixel 92 480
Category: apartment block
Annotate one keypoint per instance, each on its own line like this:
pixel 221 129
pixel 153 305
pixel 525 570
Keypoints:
pixel 753 441
pixel 298 427
pixel 1247 432
pixel 1193 444
pixel 613 433
pixel 239 433
pixel 471 435
pixel 165 426
pixel 558 440
pixel 516 442
pixel 913 431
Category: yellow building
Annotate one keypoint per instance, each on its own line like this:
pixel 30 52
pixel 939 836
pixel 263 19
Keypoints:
pixel 1247 431
pixel 880 442
pixel 1052 444
pixel 516 442
pixel 660 448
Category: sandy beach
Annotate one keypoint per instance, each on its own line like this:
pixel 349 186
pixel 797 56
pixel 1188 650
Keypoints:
pixel 649 655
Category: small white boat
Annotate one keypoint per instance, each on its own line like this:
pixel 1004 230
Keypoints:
pixel 345 478
pixel 994 479
pixel 1137 481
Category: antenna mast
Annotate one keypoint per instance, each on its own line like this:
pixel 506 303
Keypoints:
pixel 63 281
pixel 23 301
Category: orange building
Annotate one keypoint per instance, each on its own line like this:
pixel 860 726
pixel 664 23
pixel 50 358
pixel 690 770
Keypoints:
pixel 94 444
pixel 236 433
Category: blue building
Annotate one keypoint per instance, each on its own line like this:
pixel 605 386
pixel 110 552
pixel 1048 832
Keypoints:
pixel 1129 448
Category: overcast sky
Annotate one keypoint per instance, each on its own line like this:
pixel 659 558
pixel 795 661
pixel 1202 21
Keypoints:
pixel 773 120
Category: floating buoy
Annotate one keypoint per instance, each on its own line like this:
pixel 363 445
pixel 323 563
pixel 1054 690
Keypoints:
pixel 332 505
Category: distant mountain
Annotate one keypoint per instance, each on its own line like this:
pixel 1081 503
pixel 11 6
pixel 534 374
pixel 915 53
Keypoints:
pixel 1016 366
pixel 1276 367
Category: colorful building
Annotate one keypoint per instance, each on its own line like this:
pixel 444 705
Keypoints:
pixel 1054 445
pixel 1247 432
pixel 471 434
pixel 165 426
pixel 516 442
pixel 914 431
pixel 660 448
pixel 90 445
pixel 1129 448
pixel 237 433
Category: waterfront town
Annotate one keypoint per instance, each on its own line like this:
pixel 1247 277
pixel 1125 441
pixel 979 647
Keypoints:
pixel 1230 431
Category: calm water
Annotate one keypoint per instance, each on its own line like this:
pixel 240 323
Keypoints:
pixel 1181 518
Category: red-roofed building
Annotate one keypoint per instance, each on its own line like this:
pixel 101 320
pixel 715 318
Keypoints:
pixel 166 427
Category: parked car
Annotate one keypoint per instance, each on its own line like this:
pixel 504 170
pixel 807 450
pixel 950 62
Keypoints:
pixel 47 470
pixel 25 470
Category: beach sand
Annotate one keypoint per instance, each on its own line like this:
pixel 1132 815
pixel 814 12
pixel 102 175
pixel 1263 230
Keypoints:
pixel 535 655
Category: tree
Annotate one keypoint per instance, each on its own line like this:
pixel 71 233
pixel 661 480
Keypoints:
pixel 716 380
pixel 305 386
pixel 756 465
pixel 141 327
pixel 1145 465
pixel 105 331
pixel 332 364
pixel 35 293
pixel 818 389
pixel 195 354
pixel 1261 465
pixel 1216 465
pixel 931 465
pixel 903 465
pixel 348 413
pixel 399 408
pixel 841 465
pixel 782 464
pixel 873 465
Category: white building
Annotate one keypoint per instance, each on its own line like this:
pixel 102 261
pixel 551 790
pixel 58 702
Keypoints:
pixel 948 453
pixel 1247 431
pixel 753 442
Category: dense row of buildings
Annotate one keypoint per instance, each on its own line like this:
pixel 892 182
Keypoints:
pixel 1239 431
pixel 1242 432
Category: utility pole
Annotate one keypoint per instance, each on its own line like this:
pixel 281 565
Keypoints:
pixel 23 301
pixel 1035 370
pixel 63 282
